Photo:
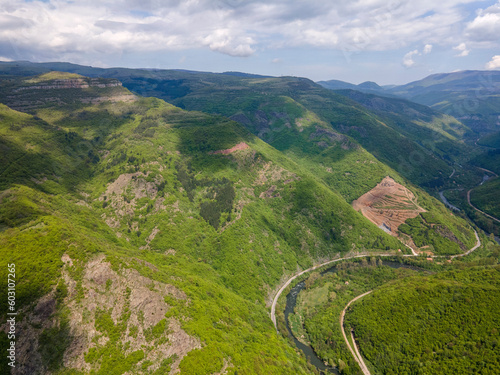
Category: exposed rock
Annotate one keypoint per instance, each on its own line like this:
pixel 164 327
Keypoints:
pixel 110 291
pixel 269 193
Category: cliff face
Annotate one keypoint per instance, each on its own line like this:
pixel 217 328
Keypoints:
pixel 31 94
pixel 77 83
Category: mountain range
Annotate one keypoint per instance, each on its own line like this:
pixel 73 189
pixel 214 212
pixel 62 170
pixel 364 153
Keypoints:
pixel 152 215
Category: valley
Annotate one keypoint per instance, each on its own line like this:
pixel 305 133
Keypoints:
pixel 160 218
pixel 322 295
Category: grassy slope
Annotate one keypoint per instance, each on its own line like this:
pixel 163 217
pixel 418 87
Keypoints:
pixel 416 121
pixel 340 113
pixel 71 151
pixel 229 95
pixel 321 321
pixel 489 160
pixel 293 126
pixel 470 96
pixel 490 140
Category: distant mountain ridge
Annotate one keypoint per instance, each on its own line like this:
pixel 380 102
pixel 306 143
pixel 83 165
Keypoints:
pixel 151 235
pixel 471 96
pixel 367 87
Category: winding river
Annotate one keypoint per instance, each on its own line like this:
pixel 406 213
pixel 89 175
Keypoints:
pixel 291 301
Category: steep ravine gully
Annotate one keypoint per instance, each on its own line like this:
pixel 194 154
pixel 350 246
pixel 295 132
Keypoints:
pixel 354 350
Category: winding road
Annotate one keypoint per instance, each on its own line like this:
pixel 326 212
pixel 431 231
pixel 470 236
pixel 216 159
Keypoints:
pixel 477 209
pixel 474 207
pixel 354 351
pixel 278 294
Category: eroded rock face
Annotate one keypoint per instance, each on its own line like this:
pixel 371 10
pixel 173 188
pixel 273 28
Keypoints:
pixel 134 302
pixel 75 83
pixel 38 92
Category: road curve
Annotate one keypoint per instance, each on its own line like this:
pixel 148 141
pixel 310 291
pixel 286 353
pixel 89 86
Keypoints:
pixel 355 351
pixel 478 243
pixel 278 294
pixel 288 282
pixel 477 209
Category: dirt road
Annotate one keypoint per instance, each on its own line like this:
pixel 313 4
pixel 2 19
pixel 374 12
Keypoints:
pixel 355 351
pixel 477 209
pixel 288 282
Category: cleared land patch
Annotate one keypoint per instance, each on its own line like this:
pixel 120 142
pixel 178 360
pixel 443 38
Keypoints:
pixel 388 205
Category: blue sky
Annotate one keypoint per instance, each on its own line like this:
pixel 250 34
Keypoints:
pixel 386 41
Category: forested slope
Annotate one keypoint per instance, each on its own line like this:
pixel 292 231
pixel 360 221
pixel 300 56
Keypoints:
pixel 441 324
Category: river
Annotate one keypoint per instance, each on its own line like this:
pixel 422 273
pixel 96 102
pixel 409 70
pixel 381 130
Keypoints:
pixel 291 301
pixel 445 201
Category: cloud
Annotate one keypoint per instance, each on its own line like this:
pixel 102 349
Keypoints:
pixel 462 48
pixel 58 29
pixel 240 28
pixel 494 63
pixel 223 41
pixel 408 58
pixel 486 26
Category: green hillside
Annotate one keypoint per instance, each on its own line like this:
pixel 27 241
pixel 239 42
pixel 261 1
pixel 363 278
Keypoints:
pixel 489 160
pixel 487 198
pixel 262 104
pixel 470 96
pixel 258 105
pixel 94 193
pixel 490 140
pixel 317 313
pixel 415 121
pixel 150 238
pixel 308 124
pixel 441 324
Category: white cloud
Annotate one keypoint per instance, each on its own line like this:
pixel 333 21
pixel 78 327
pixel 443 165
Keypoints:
pixel 462 49
pixel 58 28
pixel 5 58
pixel 223 41
pixel 408 58
pixel 494 63
pixel 486 26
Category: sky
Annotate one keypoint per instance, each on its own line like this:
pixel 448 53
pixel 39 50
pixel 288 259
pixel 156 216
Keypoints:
pixel 385 41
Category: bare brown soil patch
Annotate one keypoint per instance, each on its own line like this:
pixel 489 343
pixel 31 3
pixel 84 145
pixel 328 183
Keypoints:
pixel 388 205
pixel 239 146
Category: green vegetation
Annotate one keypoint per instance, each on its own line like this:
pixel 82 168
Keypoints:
pixel 471 95
pixel 441 324
pixel 140 184
pixel 490 140
pixel 489 160
pixel 254 212
pixel 432 234
pixel 459 199
pixel 50 76
pixel 319 306
pixel 487 198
